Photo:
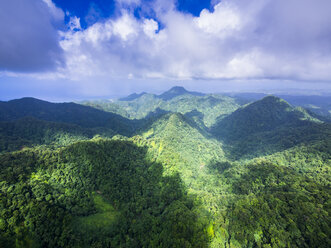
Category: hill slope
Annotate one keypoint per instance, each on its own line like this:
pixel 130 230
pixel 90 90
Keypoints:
pixel 72 113
pixel 176 100
pixel 177 91
pixel 261 116
pixel 28 132
pixel 132 96
pixel 268 126
pixel 94 194
pixel 177 134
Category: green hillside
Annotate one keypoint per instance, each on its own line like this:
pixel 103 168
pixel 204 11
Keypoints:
pixel 267 126
pixel 28 132
pixel 269 142
pixel 176 100
pixel 261 116
pixel 92 194
pixel 194 171
pixel 317 104
pixel 177 91
pixel 106 105
pixel 72 113
pixel 182 147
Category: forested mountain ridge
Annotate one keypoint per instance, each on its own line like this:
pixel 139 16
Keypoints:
pixel 72 113
pixel 267 126
pixel 29 131
pixel 211 106
pixel 263 115
pixel 132 96
pixel 193 171
pixel 177 91
pixel 318 104
pixel 166 96
pixel 176 136
pixel 181 101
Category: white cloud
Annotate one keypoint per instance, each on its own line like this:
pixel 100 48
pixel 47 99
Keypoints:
pixel 56 12
pixel 221 22
pixel 74 23
pixel 239 39
pixel 150 27
pixel 125 26
pixel 29 38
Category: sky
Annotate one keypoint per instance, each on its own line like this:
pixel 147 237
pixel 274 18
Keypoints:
pixel 68 49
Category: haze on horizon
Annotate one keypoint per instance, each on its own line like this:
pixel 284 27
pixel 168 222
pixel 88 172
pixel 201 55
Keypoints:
pixel 66 49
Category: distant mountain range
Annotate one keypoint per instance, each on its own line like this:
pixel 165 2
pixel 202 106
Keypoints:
pixel 168 95
pixel 228 119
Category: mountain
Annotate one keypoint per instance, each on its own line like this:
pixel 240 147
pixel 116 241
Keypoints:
pixel 106 105
pixel 181 135
pixel 267 126
pixel 318 104
pixel 140 107
pixel 132 96
pixel 264 115
pixel 175 141
pixel 72 113
pixel 176 100
pixel 177 91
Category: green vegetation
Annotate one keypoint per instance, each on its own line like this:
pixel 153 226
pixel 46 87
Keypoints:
pixel 98 225
pixel 265 115
pixel 28 131
pixel 195 171
pixel 72 113
pixel 206 108
pixel 43 192
pixel 279 207
pixel 268 126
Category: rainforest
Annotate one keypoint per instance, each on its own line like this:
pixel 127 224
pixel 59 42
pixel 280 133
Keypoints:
pixel 179 169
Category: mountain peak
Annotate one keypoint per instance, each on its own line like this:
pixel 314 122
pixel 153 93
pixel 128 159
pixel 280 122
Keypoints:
pixel 27 100
pixel 177 91
pixel 270 104
pixel 132 96
pixel 264 115
pixel 273 99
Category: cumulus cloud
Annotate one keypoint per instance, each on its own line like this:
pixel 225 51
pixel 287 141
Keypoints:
pixel 28 35
pixel 74 23
pixel 238 39
pixel 224 20
pixel 56 12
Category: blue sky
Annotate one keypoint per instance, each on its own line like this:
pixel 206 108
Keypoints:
pixel 63 50
pixel 104 8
